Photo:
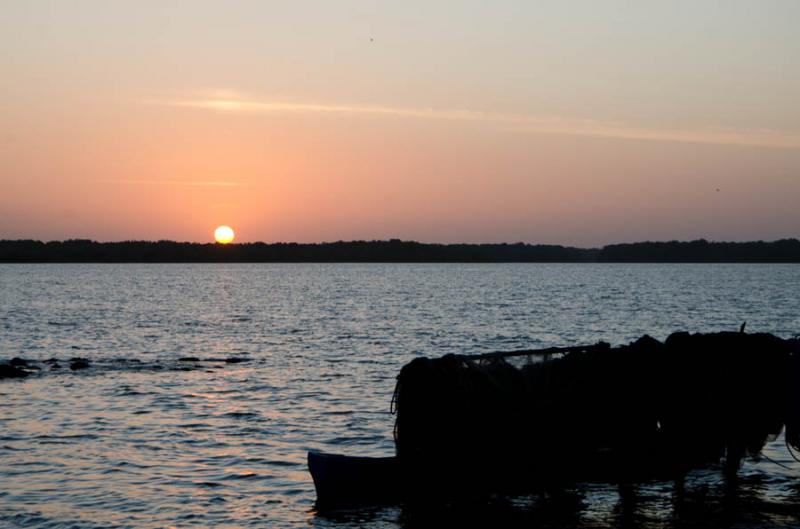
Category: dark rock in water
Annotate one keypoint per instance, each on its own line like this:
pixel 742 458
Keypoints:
pixel 18 362
pixel 236 360
pixel 53 360
pixel 188 359
pixel 78 363
pixel 10 371
pixel 55 365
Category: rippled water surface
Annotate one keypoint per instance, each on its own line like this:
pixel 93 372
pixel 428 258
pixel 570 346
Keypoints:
pixel 209 383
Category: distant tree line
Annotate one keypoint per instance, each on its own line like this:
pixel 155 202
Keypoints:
pixel 86 251
pixel 703 251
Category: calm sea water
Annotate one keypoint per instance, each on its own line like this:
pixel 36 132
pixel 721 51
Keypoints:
pixel 145 440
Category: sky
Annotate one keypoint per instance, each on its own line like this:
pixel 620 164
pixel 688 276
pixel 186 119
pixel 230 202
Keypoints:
pixel 574 122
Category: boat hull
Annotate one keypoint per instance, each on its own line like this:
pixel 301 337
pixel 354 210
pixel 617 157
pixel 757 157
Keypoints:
pixel 346 480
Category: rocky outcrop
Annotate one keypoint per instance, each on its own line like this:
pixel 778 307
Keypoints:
pixel 11 371
pixel 79 363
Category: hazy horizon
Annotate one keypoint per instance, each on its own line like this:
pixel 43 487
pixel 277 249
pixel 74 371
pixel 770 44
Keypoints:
pixel 347 241
pixel 581 124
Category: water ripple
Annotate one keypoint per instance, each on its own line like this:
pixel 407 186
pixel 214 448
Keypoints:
pixel 207 384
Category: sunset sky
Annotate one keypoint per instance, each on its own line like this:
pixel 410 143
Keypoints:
pixel 580 123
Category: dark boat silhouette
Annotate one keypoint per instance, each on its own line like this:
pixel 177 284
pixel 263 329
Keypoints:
pixel 347 480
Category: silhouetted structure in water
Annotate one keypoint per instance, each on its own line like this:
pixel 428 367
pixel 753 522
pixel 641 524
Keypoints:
pixel 624 414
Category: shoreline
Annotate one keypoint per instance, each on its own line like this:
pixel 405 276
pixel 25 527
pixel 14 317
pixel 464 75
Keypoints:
pixel 395 251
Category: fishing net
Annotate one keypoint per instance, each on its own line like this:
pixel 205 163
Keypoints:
pixel 638 411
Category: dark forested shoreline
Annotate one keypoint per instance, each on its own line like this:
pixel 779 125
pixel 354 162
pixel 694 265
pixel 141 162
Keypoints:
pixel 700 251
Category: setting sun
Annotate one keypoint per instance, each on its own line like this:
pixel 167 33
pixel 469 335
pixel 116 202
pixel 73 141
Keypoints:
pixel 223 234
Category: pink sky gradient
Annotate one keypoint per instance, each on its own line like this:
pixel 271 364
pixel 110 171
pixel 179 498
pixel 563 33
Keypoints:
pixel 579 125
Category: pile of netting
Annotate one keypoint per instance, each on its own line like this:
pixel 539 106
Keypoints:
pixel 640 411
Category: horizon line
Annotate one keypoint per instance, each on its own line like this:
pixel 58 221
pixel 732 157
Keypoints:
pixel 399 241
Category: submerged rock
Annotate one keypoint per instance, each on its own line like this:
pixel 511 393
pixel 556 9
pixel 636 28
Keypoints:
pixel 11 371
pixel 236 360
pixel 79 363
pixel 18 362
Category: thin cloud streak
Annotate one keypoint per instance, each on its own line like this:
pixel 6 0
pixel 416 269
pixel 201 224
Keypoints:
pixel 228 102
pixel 172 182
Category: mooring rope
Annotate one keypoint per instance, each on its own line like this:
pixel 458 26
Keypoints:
pixel 762 455
pixel 791 450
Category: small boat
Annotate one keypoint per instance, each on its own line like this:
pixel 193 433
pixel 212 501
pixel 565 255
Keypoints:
pixel 346 480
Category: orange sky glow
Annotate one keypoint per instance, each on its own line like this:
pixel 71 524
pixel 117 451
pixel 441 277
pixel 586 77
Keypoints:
pixel 580 124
